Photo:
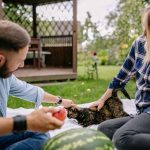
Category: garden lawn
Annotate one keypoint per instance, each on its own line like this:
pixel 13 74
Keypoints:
pixel 82 90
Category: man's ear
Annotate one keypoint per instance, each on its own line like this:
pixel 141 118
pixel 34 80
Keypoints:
pixel 2 60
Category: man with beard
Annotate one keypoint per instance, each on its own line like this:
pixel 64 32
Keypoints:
pixel 22 132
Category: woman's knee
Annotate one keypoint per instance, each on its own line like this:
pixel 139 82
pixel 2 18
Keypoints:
pixel 102 126
pixel 122 140
pixel 107 128
pixel 118 140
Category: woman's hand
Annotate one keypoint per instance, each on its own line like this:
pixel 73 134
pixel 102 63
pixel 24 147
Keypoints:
pixel 100 103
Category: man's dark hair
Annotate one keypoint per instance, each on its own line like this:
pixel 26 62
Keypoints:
pixel 13 37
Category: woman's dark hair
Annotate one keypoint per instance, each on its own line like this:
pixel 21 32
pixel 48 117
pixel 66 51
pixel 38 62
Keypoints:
pixel 13 37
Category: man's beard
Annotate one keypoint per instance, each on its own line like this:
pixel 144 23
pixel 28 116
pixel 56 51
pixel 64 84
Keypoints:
pixel 4 71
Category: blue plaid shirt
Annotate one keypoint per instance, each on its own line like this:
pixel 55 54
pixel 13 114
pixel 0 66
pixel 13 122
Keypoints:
pixel 134 63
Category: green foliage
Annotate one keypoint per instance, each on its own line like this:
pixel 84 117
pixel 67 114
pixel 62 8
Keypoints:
pixel 146 1
pixel 44 27
pixel 19 14
pixel 88 31
pixel 15 102
pixel 126 21
pixel 82 58
pixel 103 55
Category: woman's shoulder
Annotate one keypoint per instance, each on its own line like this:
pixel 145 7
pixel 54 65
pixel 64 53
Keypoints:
pixel 140 39
pixel 139 45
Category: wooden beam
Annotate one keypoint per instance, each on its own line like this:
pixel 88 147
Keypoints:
pixel 74 35
pixel 1 10
pixel 54 77
pixel 34 23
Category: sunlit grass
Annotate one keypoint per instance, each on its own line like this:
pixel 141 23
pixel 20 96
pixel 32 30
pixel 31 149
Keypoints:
pixel 82 90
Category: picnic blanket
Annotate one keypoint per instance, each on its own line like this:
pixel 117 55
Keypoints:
pixel 128 106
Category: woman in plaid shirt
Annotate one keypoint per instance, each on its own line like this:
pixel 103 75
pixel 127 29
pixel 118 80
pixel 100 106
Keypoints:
pixel 133 132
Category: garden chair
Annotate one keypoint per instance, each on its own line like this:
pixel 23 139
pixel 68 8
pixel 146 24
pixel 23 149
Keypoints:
pixel 92 70
pixel 93 67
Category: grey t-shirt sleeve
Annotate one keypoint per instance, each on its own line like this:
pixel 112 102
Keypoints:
pixel 26 91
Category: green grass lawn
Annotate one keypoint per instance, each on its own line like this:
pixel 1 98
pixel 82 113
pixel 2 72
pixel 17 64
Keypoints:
pixel 81 90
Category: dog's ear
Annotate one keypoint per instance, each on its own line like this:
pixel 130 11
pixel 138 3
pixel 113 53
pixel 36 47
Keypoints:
pixel 123 90
pixel 74 108
pixel 68 108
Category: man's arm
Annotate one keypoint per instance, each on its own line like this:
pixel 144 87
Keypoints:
pixel 55 99
pixel 26 91
pixel 6 125
pixel 39 120
pixel 35 94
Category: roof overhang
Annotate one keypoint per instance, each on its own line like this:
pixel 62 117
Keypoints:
pixel 33 2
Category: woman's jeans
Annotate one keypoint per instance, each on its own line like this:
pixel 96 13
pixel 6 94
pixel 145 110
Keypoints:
pixel 128 133
pixel 23 141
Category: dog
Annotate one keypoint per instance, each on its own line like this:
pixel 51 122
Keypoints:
pixel 113 108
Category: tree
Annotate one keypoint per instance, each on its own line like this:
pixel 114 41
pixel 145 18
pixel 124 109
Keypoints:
pixel 126 21
pixel 88 31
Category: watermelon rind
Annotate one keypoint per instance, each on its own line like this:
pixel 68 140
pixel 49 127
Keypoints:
pixel 79 139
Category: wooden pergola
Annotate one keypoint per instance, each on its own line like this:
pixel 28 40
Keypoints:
pixel 59 43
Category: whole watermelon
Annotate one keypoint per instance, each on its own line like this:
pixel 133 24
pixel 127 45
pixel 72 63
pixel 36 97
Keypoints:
pixel 79 139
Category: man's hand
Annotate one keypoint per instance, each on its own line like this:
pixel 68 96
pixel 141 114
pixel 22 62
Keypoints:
pixel 67 103
pixel 61 114
pixel 54 99
pixel 42 120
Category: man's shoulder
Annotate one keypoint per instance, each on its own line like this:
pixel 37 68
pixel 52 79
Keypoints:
pixel 9 79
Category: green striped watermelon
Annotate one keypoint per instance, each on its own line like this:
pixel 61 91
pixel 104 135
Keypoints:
pixel 79 139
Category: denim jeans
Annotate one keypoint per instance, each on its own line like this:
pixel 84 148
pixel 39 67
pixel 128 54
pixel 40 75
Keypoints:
pixel 23 141
pixel 128 133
